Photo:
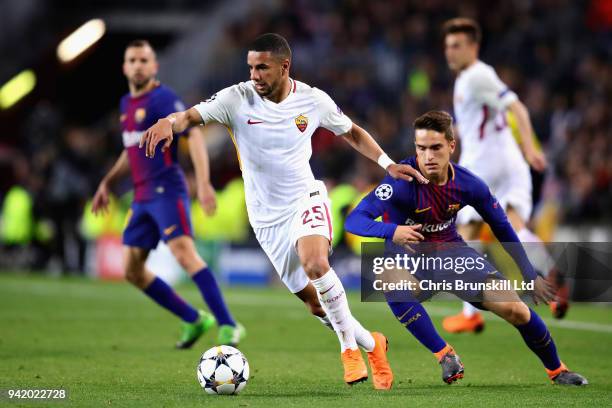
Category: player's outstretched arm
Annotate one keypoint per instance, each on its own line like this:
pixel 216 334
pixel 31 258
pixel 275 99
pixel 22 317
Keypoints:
pixel 164 128
pixel 365 144
pixel 492 213
pixel 101 198
pixel 534 157
pixel 201 163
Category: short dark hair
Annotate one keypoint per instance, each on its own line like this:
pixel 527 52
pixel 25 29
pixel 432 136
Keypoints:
pixel 272 42
pixel 438 121
pixel 463 25
pixel 138 44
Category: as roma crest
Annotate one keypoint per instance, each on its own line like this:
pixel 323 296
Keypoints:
pixel 301 122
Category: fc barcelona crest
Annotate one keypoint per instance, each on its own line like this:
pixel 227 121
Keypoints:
pixel 301 122
pixel 140 114
pixel 453 208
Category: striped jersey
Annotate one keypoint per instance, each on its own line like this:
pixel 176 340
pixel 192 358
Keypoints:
pixel 161 175
pixel 435 208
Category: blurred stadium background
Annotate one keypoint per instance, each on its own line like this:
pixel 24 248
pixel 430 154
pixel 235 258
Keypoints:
pixel 382 61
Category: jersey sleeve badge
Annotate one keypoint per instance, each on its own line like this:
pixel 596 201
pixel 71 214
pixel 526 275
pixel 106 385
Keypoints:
pixel 384 192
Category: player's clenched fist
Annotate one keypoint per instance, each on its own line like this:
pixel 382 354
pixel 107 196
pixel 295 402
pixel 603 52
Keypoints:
pixel 162 130
pixel 407 234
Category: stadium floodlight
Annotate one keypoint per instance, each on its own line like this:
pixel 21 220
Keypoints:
pixel 16 88
pixel 80 40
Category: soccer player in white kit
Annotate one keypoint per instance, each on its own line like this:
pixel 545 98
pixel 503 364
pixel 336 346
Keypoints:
pixel 271 119
pixel 488 148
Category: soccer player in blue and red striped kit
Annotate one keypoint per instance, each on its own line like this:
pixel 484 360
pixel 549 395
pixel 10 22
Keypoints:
pixel 160 210
pixel 425 213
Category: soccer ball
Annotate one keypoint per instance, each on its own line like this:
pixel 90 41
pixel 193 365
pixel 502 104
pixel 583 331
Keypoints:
pixel 223 370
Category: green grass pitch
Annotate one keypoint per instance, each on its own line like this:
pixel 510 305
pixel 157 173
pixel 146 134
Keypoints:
pixel 108 345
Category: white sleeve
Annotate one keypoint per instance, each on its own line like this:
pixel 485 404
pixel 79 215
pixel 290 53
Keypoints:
pixel 220 107
pixel 488 89
pixel 332 118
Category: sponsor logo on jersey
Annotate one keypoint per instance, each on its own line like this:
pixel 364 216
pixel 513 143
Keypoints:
pixel 131 138
pixel 429 228
pixel 254 122
pixel 384 192
pixel 301 122
pixel 140 114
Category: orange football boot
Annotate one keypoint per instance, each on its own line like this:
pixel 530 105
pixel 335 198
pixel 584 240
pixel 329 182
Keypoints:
pixel 355 370
pixel 459 323
pixel 382 376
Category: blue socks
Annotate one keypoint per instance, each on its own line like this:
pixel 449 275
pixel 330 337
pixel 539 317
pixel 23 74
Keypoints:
pixel 211 293
pixel 415 318
pixel 166 297
pixel 538 339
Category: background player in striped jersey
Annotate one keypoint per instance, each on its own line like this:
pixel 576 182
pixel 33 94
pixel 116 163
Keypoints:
pixel 488 149
pixel 414 212
pixel 160 210
pixel 271 119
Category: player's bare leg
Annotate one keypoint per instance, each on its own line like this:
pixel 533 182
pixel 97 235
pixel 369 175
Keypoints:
pixel 469 319
pixel 508 306
pixel 184 250
pixel 135 271
pixel 313 252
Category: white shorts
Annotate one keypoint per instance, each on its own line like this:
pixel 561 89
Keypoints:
pixel 312 216
pixel 509 179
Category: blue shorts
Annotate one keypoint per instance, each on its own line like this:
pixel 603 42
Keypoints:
pixel 163 218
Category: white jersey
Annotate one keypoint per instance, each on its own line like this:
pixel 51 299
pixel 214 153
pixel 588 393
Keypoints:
pixel 273 143
pixel 480 101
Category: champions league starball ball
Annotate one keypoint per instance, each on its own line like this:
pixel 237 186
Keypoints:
pixel 223 370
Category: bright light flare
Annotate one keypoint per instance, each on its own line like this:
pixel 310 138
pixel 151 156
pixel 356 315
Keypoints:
pixel 81 39
pixel 16 88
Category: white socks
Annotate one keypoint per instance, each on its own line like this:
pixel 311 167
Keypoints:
pixel 333 300
pixel 469 310
pixel 362 336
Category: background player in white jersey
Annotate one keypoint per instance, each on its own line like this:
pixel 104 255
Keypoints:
pixel 488 148
pixel 271 119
